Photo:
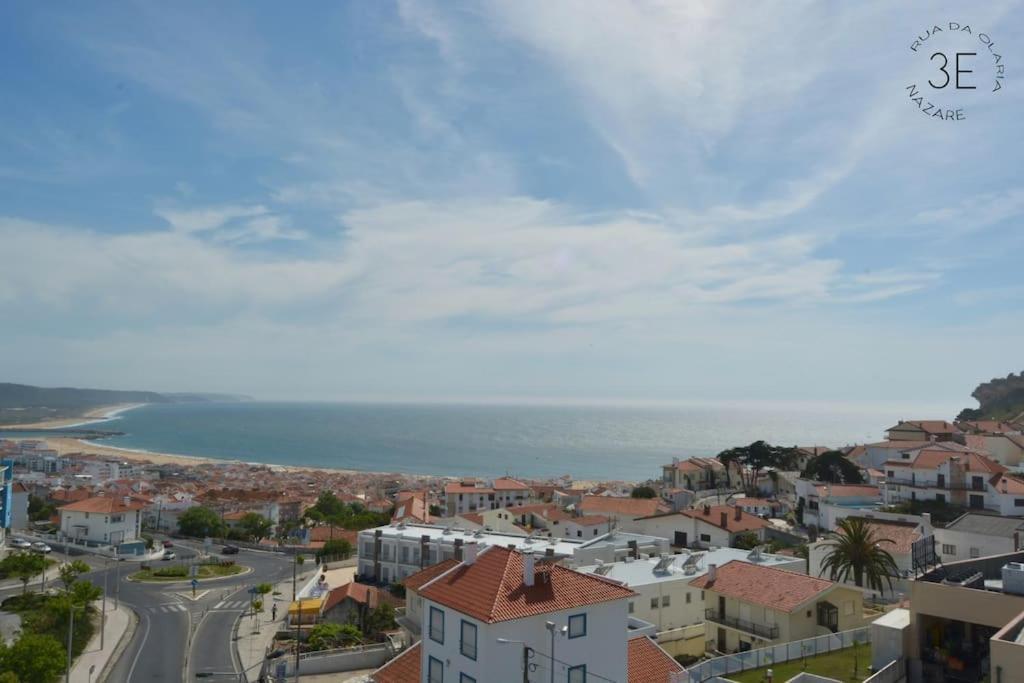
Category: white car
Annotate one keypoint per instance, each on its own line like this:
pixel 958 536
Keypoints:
pixel 20 543
pixel 168 555
pixel 41 547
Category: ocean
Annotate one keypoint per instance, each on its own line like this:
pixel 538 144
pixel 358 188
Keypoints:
pixel 585 442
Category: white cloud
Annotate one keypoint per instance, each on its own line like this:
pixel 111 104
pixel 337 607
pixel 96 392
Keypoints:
pixel 207 218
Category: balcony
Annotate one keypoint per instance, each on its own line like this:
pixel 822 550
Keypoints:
pixel 944 486
pixel 760 630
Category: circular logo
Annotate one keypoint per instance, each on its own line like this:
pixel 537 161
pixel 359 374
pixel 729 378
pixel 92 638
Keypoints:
pixel 954 67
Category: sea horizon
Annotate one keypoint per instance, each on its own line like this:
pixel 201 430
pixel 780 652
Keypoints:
pixel 589 442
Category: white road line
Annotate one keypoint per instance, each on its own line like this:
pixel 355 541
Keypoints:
pixel 145 635
pixel 219 605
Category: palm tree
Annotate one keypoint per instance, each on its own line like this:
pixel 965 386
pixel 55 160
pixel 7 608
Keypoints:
pixel 856 550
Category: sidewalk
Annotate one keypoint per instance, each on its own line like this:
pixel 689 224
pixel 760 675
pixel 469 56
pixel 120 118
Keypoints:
pixel 120 625
pixel 252 646
pixel 52 574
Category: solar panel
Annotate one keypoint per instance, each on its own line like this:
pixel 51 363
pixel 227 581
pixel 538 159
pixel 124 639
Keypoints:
pixel 663 565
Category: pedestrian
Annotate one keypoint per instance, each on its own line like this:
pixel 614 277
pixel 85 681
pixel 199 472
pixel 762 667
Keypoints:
pixel 273 612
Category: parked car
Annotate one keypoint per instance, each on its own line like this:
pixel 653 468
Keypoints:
pixel 41 547
pixel 168 555
pixel 229 550
pixel 168 544
pixel 20 543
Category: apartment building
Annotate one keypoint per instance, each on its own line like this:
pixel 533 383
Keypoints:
pixel 621 512
pixel 923 430
pixel 943 476
pixel 391 553
pixel 749 606
pixel 547 520
pixel 498 610
pixel 963 615
pixel 819 501
pixel 694 474
pixel 470 495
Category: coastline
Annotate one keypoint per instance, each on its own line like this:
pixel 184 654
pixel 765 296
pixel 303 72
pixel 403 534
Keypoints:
pixel 94 416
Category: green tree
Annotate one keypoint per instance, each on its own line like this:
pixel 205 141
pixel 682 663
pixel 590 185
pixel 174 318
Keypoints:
pixel 381 619
pixel 200 521
pixel 38 509
pixel 255 526
pixel 856 550
pixel 746 541
pixel 752 460
pixel 336 548
pixel 832 467
pixel 70 572
pixel 644 492
pixel 34 658
pixel 24 566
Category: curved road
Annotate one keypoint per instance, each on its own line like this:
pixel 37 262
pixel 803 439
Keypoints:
pixel 167 618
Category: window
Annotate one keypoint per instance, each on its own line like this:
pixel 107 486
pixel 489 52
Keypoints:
pixel 630 607
pixel 436 625
pixel 463 678
pixel 578 674
pixel 940 497
pixel 654 603
pixel 665 600
pixel 975 552
pixel 948 549
pixel 467 640
pixel 435 671
pixel 892 475
pixel 687 598
pixel 706 538
pixel 577 625
pixel 579 533
pixel 1018 502
pixel 116 518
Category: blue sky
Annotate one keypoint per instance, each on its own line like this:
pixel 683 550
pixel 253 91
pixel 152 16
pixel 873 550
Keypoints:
pixel 584 200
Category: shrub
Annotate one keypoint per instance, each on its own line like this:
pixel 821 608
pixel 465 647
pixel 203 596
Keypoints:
pixel 177 571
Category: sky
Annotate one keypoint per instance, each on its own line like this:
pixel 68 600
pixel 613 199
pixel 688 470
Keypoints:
pixel 650 201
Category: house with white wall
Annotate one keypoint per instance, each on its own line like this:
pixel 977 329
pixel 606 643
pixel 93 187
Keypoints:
pixel 694 474
pixel 102 521
pixel 471 495
pixel 957 478
pixel 703 527
pixel 897 538
pixel 748 606
pixel 481 616
pixel 622 512
pixel 19 505
pixel 973 535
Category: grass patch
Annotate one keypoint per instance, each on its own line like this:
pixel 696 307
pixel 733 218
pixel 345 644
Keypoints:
pixel 182 572
pixel 837 665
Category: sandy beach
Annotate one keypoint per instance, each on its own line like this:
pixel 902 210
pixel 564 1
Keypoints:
pixel 94 416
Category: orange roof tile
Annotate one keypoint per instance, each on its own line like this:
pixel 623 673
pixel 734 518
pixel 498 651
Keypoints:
pixel 648 663
pixel 508 484
pixel 419 579
pixel 898 537
pixel 638 507
pixel 405 668
pixel 102 504
pixel 776 589
pixel 746 522
pixel 492 589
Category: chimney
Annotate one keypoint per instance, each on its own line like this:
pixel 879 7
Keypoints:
pixel 128 499
pixel 458 549
pixel 725 518
pixel 469 553
pixel 712 573
pixel 1016 541
pixel 739 513
pixel 707 510
pixel 634 550
pixel 528 569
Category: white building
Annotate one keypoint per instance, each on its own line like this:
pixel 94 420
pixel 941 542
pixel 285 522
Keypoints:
pixel 973 535
pixel 19 506
pixel 103 521
pixel 473 496
pixel 703 527
pixel 933 474
pixel 498 609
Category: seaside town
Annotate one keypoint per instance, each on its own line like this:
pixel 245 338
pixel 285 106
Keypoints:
pixel 901 559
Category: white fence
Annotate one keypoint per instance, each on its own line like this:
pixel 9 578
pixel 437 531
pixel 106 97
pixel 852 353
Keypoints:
pixel 370 656
pixel 775 654
pixel 890 673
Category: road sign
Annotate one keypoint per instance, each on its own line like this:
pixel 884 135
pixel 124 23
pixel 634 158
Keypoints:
pixel 194 570
pixel 195 582
pixel 253 591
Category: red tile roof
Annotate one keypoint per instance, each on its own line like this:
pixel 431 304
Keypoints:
pixel 776 589
pixel 416 581
pixel 933 458
pixel 405 668
pixel 648 663
pixel 636 507
pixel 746 522
pixel 927 426
pixel 362 593
pixel 492 589
pixel 102 504
pixel 507 484
pixel 459 487
pixel 898 537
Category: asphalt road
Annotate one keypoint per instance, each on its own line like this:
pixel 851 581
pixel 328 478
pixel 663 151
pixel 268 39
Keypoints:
pixel 167 618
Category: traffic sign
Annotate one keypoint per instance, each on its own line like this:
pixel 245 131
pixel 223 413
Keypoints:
pixel 195 582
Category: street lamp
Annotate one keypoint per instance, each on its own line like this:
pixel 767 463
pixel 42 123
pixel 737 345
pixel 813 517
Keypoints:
pixel 553 628
pixel 527 654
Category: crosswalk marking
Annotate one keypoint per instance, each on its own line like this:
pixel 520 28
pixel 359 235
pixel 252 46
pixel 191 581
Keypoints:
pixel 172 607
pixel 232 604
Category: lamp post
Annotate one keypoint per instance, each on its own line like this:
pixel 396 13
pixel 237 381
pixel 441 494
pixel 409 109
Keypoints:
pixel 527 653
pixel 103 610
pixel 553 628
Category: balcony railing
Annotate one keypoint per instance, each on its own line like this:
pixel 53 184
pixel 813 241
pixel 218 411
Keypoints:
pixel 762 630
pixel 946 485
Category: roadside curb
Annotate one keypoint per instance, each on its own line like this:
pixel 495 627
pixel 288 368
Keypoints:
pixel 245 571
pixel 121 646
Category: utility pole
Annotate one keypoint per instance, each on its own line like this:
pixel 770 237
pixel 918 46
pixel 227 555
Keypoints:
pixel 103 612
pixel 71 631
pixel 117 580
pixel 298 640
pixel 526 663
